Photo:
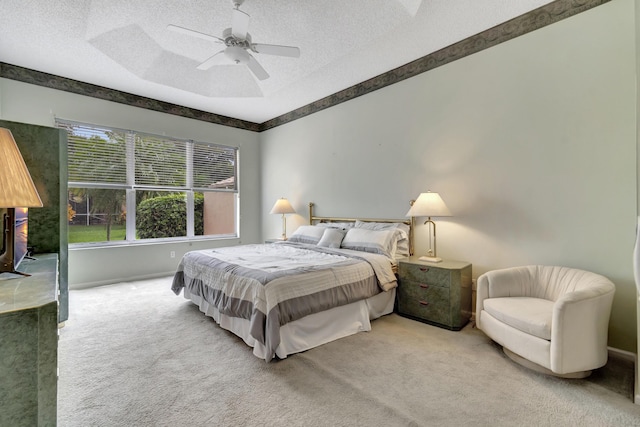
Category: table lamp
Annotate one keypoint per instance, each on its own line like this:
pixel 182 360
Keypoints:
pixel 282 206
pixel 429 204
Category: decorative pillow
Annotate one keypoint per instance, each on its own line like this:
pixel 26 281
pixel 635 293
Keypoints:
pixel 340 225
pixel 307 234
pixel 404 228
pixel 376 241
pixel 402 236
pixel 332 238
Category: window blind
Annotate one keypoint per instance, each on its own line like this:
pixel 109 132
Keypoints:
pixel 214 167
pixel 160 161
pixel 98 155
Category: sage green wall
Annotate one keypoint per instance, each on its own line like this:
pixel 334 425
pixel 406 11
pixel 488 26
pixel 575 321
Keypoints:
pixel 27 103
pixel 532 144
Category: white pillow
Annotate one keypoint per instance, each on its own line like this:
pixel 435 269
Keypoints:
pixel 307 234
pixel 402 236
pixel 376 241
pixel 332 238
pixel 340 225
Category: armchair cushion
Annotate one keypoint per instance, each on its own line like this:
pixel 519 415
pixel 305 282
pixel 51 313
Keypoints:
pixel 529 315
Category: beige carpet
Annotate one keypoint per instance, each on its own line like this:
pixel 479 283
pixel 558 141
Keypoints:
pixel 134 354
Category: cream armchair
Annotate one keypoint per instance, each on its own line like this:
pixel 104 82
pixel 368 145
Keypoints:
pixel 552 319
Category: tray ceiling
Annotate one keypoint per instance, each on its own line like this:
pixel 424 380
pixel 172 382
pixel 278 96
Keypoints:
pixel 126 46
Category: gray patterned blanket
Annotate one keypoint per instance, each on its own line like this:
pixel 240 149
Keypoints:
pixel 273 284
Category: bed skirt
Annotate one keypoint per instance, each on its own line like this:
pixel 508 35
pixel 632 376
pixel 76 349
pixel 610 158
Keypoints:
pixel 310 331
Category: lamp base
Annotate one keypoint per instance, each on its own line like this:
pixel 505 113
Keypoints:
pixel 430 259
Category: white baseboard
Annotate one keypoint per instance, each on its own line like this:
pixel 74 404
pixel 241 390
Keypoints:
pixel 623 354
pixel 87 285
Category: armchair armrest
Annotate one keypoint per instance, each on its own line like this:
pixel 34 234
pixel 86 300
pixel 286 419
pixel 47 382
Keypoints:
pixel 580 329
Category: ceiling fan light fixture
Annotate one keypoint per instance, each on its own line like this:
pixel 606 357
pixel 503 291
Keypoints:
pixel 239 45
pixel 237 54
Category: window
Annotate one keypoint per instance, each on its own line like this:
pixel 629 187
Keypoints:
pixel 127 186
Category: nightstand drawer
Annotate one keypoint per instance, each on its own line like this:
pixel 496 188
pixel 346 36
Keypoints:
pixel 425 274
pixel 425 302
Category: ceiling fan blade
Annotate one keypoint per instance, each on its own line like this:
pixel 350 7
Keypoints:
pixel 217 59
pixel 193 33
pixel 240 24
pixel 257 69
pixel 274 49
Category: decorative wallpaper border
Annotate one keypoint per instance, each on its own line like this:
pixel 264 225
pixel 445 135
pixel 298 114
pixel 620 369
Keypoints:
pixel 531 21
pixel 523 24
pixel 51 81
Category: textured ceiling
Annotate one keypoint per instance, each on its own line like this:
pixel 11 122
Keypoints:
pixel 125 45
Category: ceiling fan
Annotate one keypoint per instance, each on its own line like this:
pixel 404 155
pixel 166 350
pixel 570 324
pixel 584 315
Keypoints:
pixel 238 44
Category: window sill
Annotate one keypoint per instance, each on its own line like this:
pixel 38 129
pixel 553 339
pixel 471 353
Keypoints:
pixel 149 242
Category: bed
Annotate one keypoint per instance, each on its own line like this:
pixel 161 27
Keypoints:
pixel 328 281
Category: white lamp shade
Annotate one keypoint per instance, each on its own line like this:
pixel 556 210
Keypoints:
pixel 16 186
pixel 282 206
pixel 429 204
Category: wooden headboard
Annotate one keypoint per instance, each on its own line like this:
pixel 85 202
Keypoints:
pixel 313 219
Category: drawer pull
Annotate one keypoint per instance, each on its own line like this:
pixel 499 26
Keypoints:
pixel 424 269
pixel 424 286
pixel 424 302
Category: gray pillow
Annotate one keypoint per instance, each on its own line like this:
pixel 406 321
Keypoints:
pixel 374 241
pixel 332 238
pixel 402 236
pixel 307 234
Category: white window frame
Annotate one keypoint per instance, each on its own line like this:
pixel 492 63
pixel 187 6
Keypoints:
pixel 131 187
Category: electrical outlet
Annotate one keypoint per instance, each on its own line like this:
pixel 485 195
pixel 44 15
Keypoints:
pixel 173 254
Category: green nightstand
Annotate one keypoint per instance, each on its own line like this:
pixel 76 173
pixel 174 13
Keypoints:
pixel 435 293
